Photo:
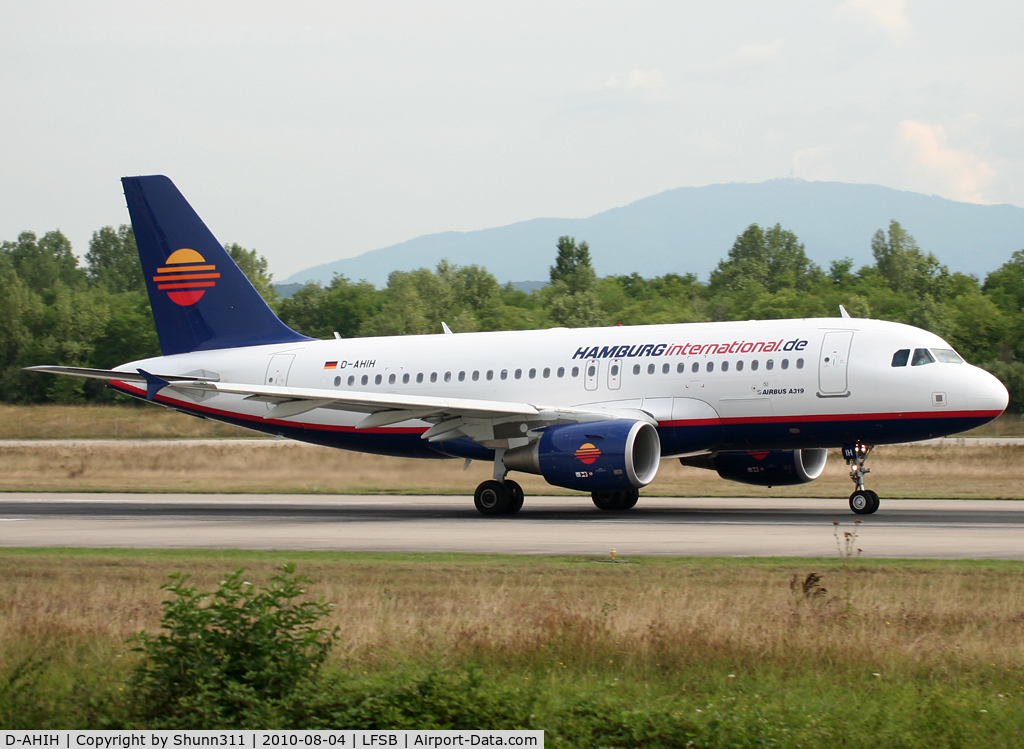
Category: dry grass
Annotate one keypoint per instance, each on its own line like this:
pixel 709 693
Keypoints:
pixel 934 619
pixel 130 421
pixel 269 466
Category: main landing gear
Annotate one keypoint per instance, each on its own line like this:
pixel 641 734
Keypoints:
pixel 616 501
pixel 862 501
pixel 495 497
pixel 499 496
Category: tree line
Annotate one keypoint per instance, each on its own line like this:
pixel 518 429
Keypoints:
pixel 56 310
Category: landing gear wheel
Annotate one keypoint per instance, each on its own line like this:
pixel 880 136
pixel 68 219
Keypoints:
pixel 605 500
pixel 615 501
pixel 492 498
pixel 516 497
pixel 864 502
pixel 629 499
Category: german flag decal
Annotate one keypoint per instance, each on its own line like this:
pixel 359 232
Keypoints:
pixel 186 277
pixel 330 365
pixel 588 453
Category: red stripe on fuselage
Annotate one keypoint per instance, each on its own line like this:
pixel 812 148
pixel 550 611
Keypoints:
pixel 259 420
pixel 832 418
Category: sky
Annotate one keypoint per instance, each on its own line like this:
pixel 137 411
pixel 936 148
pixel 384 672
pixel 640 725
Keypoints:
pixel 313 131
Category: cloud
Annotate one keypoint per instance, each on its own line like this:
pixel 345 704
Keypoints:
pixel 963 175
pixel 751 54
pixel 888 16
pixel 648 84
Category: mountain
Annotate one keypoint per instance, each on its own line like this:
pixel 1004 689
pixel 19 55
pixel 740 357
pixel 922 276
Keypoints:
pixel 689 229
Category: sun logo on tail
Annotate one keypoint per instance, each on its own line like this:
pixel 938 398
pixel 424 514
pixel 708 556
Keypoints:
pixel 186 276
pixel 588 453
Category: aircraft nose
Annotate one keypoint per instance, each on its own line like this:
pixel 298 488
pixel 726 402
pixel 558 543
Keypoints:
pixel 986 393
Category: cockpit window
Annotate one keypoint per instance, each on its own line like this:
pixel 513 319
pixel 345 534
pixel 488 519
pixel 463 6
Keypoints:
pixel 922 356
pixel 947 356
pixel 901 357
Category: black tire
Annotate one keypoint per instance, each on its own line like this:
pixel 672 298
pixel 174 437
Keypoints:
pixel 629 499
pixel 516 497
pixel 492 498
pixel 607 501
pixel 864 502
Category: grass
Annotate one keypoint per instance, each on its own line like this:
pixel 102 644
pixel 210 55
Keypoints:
pixel 724 651
pixel 272 466
pixel 95 454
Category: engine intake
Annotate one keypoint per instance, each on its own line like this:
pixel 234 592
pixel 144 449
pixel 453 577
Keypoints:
pixel 768 468
pixel 596 456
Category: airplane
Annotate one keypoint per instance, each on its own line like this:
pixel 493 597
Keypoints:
pixel 588 409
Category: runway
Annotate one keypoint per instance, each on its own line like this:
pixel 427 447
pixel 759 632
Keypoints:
pixel 939 529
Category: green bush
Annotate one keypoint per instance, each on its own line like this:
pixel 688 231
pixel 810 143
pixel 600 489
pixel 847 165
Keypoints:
pixel 230 658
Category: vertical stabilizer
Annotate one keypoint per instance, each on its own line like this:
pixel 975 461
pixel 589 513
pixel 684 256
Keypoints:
pixel 201 300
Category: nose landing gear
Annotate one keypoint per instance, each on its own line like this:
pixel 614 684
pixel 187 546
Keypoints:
pixel 862 501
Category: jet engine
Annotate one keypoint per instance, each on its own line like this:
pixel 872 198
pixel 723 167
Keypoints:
pixel 596 456
pixel 764 468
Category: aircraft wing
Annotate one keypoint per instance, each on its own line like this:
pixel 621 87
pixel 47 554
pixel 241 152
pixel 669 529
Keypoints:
pixel 452 418
pixel 486 421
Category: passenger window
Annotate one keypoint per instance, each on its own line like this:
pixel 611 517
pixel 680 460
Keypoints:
pixel 377 379
pixel 575 371
pixel 680 368
pixel 922 356
pixel 351 380
pixel 665 368
pixel 770 364
pixel 636 369
pixel 725 366
pixel 419 377
pixel 711 366
pixel 447 376
pixel 753 366
pixel 337 381
pixel 739 366
pixel 391 380
pixel 490 374
pixel 504 374
pixel 591 370
pixel 433 376
pixel 547 372
pixel 650 369
pixel 561 372
pixel 799 363
pixel 901 357
pixel 695 367
pixel 405 379
pixel 519 374
pixel 462 376
pixel 476 375
pixel 614 370
pixel 365 379
pixel 533 373
pixel 785 363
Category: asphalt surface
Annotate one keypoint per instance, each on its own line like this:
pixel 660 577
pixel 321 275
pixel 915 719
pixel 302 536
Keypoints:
pixel 940 529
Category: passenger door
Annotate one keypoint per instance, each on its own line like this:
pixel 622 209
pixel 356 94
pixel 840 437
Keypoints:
pixel 833 363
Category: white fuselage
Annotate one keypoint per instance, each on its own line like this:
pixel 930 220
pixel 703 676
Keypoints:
pixel 768 384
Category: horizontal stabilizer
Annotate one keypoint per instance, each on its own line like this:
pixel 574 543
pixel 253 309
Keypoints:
pixel 113 374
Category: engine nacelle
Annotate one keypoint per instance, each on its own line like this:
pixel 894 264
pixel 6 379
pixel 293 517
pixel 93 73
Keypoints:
pixel 767 468
pixel 601 456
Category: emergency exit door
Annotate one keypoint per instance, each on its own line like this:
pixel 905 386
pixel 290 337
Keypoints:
pixel 277 371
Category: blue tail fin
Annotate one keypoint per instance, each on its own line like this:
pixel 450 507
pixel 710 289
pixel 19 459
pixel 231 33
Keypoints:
pixel 201 300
